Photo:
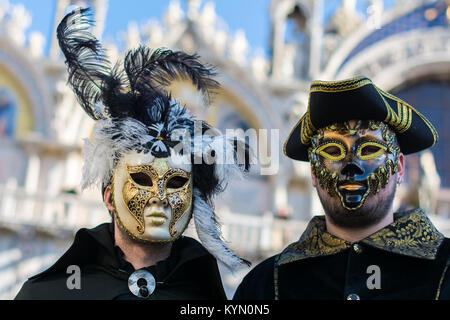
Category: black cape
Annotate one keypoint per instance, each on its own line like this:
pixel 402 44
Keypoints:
pixel 190 272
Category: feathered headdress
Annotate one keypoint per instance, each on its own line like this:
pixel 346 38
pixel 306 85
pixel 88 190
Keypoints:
pixel 133 111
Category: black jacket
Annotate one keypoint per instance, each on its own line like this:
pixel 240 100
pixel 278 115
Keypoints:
pixel 409 257
pixel 189 273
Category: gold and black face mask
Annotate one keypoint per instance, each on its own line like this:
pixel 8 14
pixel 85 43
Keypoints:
pixel 152 201
pixel 354 162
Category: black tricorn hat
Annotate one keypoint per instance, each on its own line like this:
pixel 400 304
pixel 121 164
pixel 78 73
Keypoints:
pixel 358 98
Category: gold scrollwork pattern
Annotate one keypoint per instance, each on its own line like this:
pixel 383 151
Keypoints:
pixel 411 234
pixel 314 242
pixel 180 202
pixel 137 196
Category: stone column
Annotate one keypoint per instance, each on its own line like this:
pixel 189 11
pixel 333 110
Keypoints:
pixel 61 6
pixel 316 34
pixel 31 187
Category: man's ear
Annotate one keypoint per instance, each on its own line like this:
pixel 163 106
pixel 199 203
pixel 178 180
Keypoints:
pixel 107 198
pixel 401 167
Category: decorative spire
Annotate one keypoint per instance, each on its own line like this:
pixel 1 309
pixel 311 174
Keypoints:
pixel 19 21
pixel 346 19
pixel 154 33
pixel 174 13
pixel 193 9
pixel 239 47
pixel 207 21
pixel 36 44
pixel 132 36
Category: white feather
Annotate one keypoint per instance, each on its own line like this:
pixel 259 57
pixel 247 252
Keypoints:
pixel 102 153
pixel 209 233
pixel 226 166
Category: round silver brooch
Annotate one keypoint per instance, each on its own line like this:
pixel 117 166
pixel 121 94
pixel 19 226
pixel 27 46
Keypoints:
pixel 141 283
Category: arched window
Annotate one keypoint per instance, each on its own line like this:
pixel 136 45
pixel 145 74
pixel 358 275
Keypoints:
pixel 295 26
pixel 8 113
pixel 431 97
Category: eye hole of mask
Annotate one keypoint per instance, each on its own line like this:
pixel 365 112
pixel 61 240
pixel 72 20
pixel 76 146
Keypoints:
pixel 370 150
pixel 332 151
pixel 176 182
pixel 141 179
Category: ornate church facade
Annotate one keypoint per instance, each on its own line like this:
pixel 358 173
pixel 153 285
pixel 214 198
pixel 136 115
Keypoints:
pixel 404 49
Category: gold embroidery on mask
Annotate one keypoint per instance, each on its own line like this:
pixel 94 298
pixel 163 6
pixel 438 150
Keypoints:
pixel 375 181
pixel 161 166
pixel 321 150
pixel 382 148
pixel 136 196
pixel 180 199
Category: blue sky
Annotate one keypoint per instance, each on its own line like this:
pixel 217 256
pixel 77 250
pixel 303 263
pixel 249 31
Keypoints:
pixel 250 15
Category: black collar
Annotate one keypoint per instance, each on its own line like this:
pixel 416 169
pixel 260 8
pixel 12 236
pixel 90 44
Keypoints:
pixel 96 247
pixel 411 234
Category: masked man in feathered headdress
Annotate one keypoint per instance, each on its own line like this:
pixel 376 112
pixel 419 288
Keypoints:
pixel 157 167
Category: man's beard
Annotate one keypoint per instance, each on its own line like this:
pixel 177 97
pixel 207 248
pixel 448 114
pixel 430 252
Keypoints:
pixel 375 208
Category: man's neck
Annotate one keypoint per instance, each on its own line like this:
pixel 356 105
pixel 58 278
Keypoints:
pixel 141 255
pixel 357 234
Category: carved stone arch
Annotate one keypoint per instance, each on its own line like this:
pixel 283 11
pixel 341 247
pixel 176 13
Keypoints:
pixel 340 58
pixel 427 87
pixel 438 69
pixel 30 77
pixel 400 56
pixel 258 114
pixel 419 69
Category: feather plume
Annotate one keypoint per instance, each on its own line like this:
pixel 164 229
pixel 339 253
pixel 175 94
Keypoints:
pixel 87 65
pixel 160 67
pixel 208 231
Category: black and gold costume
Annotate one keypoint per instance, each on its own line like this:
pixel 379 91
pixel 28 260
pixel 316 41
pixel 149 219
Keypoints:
pixel 190 272
pixel 412 255
pixel 408 259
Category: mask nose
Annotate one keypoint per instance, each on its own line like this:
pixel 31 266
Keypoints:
pixel 351 169
pixel 156 201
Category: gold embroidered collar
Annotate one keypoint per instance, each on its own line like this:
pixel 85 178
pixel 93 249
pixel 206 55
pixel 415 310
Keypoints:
pixel 411 234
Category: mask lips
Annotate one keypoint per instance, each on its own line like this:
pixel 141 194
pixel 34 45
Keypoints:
pixel 352 193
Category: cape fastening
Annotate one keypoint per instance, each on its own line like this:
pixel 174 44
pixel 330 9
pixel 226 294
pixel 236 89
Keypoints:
pixel 134 112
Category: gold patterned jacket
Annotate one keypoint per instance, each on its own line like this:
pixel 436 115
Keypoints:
pixel 408 259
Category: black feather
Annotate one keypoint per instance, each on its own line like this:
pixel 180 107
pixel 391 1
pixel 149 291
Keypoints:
pixel 115 96
pixel 87 65
pixel 137 90
pixel 157 69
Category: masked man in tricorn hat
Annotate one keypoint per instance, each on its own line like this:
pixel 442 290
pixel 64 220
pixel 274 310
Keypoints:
pixel 157 167
pixel 355 136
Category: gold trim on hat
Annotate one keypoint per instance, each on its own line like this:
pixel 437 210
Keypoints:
pixel 411 108
pixel 339 86
pixel 307 129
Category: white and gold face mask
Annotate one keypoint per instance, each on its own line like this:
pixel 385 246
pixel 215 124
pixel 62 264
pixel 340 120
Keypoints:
pixel 152 197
